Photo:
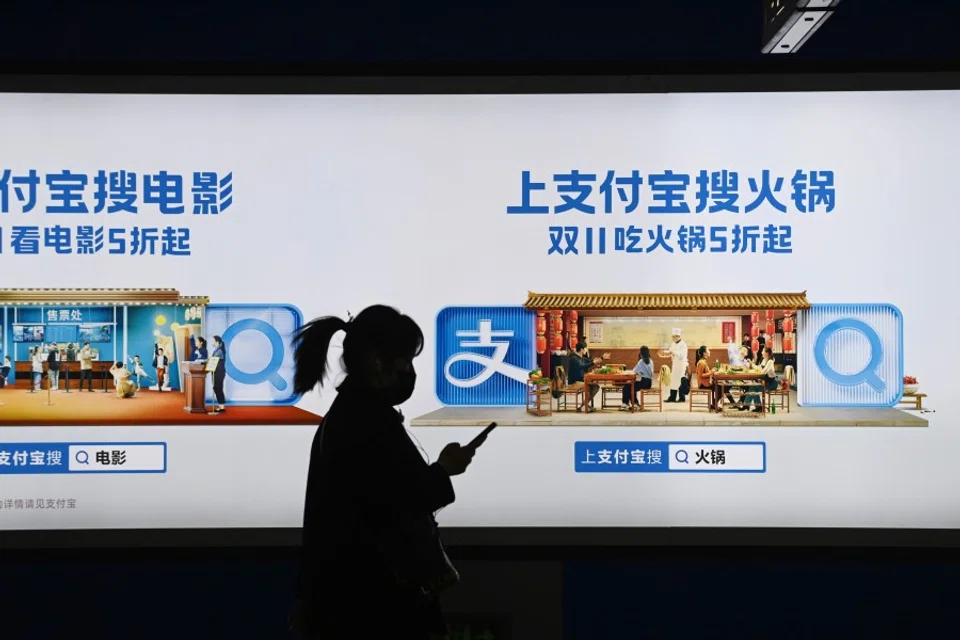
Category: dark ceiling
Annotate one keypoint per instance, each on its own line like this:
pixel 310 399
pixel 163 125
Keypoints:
pixel 719 32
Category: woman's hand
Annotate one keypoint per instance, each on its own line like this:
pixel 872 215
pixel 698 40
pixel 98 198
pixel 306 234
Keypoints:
pixel 454 459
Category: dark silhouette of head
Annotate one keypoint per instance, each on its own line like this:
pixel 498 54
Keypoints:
pixel 378 350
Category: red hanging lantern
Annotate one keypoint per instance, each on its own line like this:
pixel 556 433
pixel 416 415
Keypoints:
pixel 557 323
pixel 573 316
pixel 557 342
pixel 541 344
pixel 755 317
pixel 771 327
pixel 755 346
pixel 788 325
pixel 573 341
pixel 769 314
pixel 788 343
pixel 755 332
pixel 541 323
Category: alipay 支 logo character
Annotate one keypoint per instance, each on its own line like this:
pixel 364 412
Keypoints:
pixel 484 355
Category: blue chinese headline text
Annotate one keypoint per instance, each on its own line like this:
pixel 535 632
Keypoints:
pixel 111 194
pixel 674 193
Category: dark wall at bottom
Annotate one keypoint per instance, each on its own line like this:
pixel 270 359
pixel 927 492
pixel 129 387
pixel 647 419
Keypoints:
pixel 678 598
pixel 666 598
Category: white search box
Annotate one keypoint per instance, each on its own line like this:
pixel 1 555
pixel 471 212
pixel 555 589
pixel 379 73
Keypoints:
pixel 118 458
pixel 718 457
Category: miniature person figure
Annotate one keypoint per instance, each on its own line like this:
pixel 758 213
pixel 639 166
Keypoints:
pixel 139 371
pixel 160 363
pixel 5 371
pixel 121 380
pixel 53 366
pixel 86 367
pixel 36 368
pixel 677 352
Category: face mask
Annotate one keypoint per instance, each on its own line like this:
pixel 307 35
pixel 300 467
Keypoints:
pixel 402 389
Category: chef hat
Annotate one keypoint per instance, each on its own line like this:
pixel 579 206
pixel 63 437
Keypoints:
pixel 676 331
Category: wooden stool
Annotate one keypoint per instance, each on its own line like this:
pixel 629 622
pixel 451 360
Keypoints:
pixel 781 393
pixel 653 391
pixel 915 399
pixel 707 394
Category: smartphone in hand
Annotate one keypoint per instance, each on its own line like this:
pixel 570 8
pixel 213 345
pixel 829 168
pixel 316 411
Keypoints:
pixel 482 436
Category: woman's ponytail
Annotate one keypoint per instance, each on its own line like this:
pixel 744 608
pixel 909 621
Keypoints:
pixel 311 345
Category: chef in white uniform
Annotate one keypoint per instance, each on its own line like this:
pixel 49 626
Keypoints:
pixel 678 356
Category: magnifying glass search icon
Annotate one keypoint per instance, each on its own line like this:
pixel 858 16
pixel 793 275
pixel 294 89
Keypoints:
pixel 682 456
pixel 269 372
pixel 868 374
pixel 82 457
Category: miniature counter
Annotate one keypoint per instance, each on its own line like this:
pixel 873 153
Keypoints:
pixel 674 417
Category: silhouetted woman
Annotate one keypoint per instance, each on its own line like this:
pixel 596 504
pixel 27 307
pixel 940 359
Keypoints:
pixel 368 530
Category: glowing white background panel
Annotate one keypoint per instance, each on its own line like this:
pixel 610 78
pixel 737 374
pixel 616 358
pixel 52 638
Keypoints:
pixel 344 201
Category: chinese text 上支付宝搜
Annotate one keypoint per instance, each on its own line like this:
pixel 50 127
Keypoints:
pixel 31 458
pixel 670 192
pixel 623 456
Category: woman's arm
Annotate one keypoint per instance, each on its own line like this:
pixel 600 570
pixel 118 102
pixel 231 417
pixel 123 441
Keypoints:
pixel 769 369
pixel 396 479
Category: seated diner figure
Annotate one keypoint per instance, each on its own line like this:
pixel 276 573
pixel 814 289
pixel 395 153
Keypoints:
pixel 768 367
pixel 752 398
pixel 580 365
pixel 705 375
pixel 121 380
pixel 644 379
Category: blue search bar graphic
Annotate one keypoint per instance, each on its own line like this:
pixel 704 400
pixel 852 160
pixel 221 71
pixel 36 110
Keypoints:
pixel 670 457
pixel 44 458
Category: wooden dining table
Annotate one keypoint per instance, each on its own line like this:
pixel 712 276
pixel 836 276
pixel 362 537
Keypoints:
pixel 740 379
pixel 626 379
